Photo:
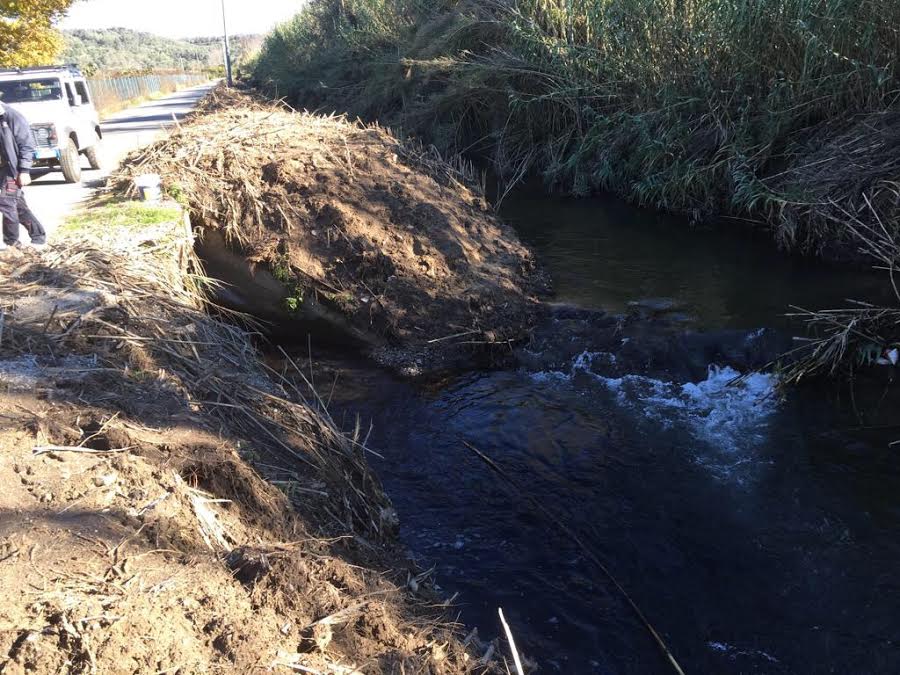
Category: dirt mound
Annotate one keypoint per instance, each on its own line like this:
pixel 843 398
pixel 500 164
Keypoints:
pixel 126 559
pixel 356 226
pixel 136 538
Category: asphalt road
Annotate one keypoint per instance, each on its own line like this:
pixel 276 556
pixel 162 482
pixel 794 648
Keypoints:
pixel 52 199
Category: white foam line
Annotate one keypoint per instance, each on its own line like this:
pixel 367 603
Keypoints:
pixel 727 412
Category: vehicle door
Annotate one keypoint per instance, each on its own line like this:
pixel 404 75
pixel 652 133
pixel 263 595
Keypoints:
pixel 81 115
pixel 87 110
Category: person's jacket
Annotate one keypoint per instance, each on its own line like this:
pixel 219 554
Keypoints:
pixel 17 142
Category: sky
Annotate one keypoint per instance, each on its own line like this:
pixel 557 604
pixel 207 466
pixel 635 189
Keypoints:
pixel 181 18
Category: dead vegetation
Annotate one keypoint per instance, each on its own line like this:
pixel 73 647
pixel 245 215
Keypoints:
pixel 849 339
pixel 846 183
pixel 352 222
pixel 135 536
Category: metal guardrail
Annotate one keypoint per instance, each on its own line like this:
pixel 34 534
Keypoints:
pixel 112 93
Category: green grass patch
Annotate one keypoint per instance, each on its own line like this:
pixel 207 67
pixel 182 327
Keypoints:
pixel 120 215
pixel 130 227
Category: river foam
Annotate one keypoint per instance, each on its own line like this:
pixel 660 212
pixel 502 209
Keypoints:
pixel 728 413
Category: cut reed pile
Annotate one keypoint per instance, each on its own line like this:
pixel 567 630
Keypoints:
pixel 784 112
pixel 140 538
pixel 845 341
pixel 357 227
pixel 136 316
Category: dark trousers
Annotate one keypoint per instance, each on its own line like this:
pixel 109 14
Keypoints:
pixel 15 212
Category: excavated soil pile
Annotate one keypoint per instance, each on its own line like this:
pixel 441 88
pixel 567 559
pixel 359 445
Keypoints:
pixel 134 535
pixel 357 226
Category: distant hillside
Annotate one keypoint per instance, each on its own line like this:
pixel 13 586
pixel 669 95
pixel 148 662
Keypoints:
pixel 121 49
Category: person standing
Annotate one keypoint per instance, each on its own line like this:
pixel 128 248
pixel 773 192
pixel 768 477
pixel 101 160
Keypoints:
pixel 16 160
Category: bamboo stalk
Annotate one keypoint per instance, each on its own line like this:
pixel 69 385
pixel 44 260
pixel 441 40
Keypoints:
pixel 512 643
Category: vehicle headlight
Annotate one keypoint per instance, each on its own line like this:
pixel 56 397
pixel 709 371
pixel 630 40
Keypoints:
pixel 45 134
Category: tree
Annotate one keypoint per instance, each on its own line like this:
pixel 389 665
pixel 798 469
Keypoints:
pixel 27 35
pixel 119 50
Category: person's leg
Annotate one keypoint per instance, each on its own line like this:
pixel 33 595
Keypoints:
pixel 10 212
pixel 30 222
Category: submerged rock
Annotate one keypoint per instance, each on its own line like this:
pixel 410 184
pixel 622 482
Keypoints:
pixel 655 306
pixel 660 347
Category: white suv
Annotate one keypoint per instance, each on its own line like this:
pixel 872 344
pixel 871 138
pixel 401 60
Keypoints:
pixel 58 105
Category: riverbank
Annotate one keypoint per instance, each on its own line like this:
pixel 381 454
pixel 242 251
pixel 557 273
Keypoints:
pixel 170 503
pixel 325 227
pixel 679 106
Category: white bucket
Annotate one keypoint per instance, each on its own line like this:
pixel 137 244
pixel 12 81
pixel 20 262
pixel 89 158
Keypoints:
pixel 148 186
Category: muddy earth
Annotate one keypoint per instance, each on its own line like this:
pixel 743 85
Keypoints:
pixel 169 505
pixel 325 225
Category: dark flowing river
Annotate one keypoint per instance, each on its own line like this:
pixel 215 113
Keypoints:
pixel 759 534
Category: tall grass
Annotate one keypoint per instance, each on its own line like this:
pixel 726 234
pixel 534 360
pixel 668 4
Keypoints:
pixel 786 112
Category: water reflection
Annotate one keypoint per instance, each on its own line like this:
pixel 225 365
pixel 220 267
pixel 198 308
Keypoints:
pixel 603 253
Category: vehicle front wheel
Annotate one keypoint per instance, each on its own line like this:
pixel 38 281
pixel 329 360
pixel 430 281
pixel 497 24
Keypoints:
pixel 94 154
pixel 70 161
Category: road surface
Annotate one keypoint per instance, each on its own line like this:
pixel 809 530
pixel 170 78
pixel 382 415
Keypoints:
pixel 52 199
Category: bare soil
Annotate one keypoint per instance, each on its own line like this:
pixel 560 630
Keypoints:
pixel 359 227
pixel 137 532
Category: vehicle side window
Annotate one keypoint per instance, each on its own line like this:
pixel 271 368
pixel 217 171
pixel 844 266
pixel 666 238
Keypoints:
pixel 81 90
pixel 69 94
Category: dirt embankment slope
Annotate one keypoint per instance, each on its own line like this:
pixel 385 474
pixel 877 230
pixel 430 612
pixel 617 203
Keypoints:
pixel 381 240
pixel 135 537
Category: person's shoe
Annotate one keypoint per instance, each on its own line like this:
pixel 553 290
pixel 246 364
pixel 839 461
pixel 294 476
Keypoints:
pixel 38 246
